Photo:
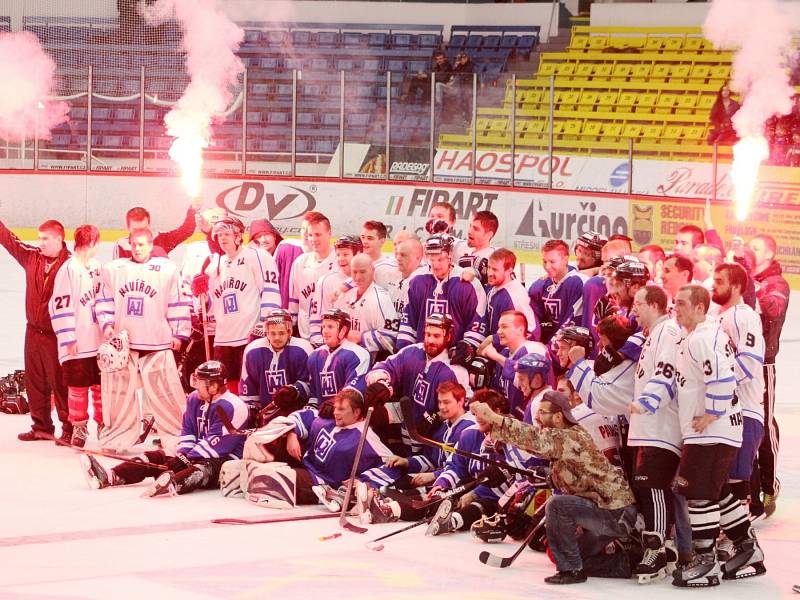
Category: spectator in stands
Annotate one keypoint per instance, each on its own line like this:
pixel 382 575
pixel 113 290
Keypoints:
pixel 687 239
pixel 705 258
pixel 793 152
pixel 722 111
pixel 458 91
pixel 780 143
pixel 678 272
pixel 653 257
pixel 419 88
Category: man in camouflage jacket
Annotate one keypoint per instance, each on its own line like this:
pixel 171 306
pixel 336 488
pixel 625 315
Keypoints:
pixel 594 495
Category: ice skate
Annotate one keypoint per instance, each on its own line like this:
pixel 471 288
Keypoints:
pixel 164 485
pixel 747 559
pixel 381 509
pixel 702 571
pixel 653 566
pixel 79 434
pixel 96 476
pixel 442 520
pixel 328 497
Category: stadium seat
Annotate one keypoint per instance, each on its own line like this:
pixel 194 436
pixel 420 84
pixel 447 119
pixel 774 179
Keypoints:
pixel 326 39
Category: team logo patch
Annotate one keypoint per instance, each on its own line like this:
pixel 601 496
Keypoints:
pixel 135 306
pixel 435 307
pixel 275 379
pixel 421 388
pixel 327 383
pixel 681 482
pixel 230 304
pixel 322 447
pixel 553 306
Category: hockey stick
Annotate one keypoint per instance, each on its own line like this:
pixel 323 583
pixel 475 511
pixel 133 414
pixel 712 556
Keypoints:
pixel 343 522
pixel 228 424
pixel 422 506
pixel 204 317
pixel 146 427
pixel 272 520
pixel 124 459
pixel 411 426
pixel 502 562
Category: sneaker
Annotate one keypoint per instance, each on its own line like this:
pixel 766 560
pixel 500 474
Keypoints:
pixel 79 434
pixel 702 571
pixel 163 486
pixel 34 435
pixel 328 497
pixel 96 476
pixel 567 577
pixel 442 520
pixel 746 560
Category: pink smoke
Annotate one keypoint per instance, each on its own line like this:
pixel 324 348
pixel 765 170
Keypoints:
pixel 759 33
pixel 27 74
pixel 211 41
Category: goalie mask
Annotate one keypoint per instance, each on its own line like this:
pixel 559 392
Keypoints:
pixel 112 355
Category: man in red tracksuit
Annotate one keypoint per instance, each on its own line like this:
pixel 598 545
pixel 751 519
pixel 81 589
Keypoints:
pixel 43 376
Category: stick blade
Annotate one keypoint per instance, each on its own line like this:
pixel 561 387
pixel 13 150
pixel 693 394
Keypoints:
pixel 350 527
pixel 493 560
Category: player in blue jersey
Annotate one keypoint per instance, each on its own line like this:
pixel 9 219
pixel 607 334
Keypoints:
pixel 204 444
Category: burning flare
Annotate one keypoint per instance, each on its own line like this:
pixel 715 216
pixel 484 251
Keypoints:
pixel 748 154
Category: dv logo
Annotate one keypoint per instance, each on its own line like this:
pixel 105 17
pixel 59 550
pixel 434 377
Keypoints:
pixel 283 203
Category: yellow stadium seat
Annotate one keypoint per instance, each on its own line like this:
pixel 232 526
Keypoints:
pixel 612 129
pixel 565 69
pixel 632 130
pixel 652 131
pixel 700 72
pixel 572 128
pixel 547 69
pixel 646 102
pixel 654 44
pixel 621 71
pixel 672 132
pixel 629 42
pixel 567 99
pixel 685 103
pixel 602 69
pixel 592 128
pixel 558 127
pixel 705 102
pixel 588 99
pixel 640 71
pixel 666 102
pixel 693 44
pixel 597 42
pixel 579 42
pixel 680 71
pixel 695 132
pixel 660 71
pixel 498 125
pixel 536 126
pixel 584 70
pixel 627 99
pixel 607 99
pixel 720 71
pixel 521 125
pixel 673 44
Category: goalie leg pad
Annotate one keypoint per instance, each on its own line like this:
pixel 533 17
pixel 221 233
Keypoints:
pixel 163 396
pixel 232 478
pixel 272 485
pixel 120 409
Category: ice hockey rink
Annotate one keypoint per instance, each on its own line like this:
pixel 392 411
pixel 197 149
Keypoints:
pixel 58 539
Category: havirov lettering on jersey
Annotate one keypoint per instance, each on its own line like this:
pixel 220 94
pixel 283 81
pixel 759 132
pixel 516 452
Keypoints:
pixel 138 285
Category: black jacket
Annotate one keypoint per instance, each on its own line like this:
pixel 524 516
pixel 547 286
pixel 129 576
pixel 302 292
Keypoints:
pixel 39 281
pixel 773 299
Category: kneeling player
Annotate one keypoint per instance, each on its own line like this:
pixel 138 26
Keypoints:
pixel 203 447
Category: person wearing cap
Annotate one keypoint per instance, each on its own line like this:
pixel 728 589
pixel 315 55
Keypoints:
pixel 458 90
pixel 594 495
pixel 264 235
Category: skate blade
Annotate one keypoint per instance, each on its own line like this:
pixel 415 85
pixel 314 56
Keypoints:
pixel 753 570
pixel 645 578
pixel 88 474
pixel 671 566
pixel 712 581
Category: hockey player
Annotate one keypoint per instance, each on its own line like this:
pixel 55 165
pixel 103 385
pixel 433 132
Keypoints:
pixel 275 362
pixel 331 285
pixel 331 445
pixel 743 327
pixel 443 291
pixel 557 298
pixel 475 256
pixel 75 324
pixel 373 320
pixel 459 515
pixel 408 255
pixel 165 242
pixel 512 345
pixel 627 279
pixel 242 288
pixel 711 424
pixel 595 288
pixel 204 444
pixel 595 505
pixel 43 378
pixel 264 235
pixel 373 237
pixel 416 372
pixel 588 251
pixel 141 295
pixel 308 268
pixel 336 363
pixel 678 272
pixel 653 257
pixel 507 293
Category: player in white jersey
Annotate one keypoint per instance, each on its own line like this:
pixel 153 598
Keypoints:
pixel 308 268
pixel 242 288
pixel 331 285
pixel 442 219
pixel 373 237
pixel 74 322
pixel 475 254
pixel 408 255
pixel 374 321
pixel 142 296
pixel 711 423
pixel 743 326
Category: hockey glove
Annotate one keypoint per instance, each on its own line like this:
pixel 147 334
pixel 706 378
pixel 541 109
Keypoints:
pixel 496 476
pixel 461 354
pixel 200 284
pixel 326 410
pixel 428 424
pixel 377 394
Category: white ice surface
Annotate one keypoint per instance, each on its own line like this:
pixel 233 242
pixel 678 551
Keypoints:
pixel 58 539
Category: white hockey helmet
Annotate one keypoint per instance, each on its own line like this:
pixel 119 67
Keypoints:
pixel 112 355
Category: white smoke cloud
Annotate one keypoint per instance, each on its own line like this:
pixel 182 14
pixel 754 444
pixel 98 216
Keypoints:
pixel 210 40
pixel 759 33
pixel 26 73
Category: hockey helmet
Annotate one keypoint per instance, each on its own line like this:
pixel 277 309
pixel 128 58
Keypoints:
pixel 577 335
pixel 211 370
pixel 490 529
pixel 350 241
pixel 441 242
pixel 279 316
pixel 593 241
pixel 112 355
pixel 227 224
pixel 533 363
pixel 338 315
pixel 442 320
pixel 631 272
